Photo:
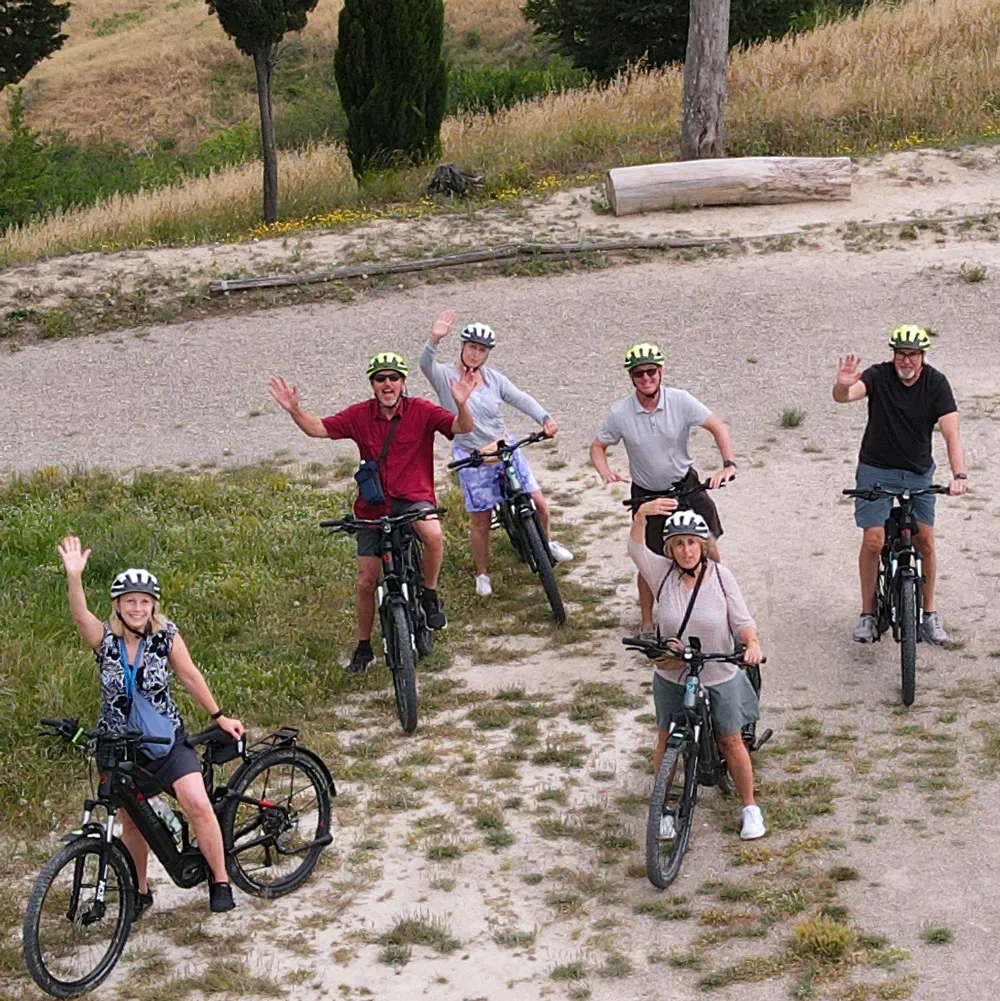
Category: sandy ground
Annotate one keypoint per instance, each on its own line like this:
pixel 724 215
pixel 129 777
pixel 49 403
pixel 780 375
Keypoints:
pixel 750 334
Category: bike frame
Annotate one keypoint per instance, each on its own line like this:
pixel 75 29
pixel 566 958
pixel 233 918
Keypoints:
pixel 517 505
pixel 899 561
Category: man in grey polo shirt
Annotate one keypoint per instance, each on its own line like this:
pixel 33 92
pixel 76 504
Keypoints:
pixel 655 424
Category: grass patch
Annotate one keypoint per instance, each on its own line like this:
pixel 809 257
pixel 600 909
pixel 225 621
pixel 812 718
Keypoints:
pixel 936 935
pixel 792 417
pixel 415 929
pixel 577 970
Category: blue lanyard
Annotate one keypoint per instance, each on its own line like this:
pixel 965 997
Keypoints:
pixel 130 670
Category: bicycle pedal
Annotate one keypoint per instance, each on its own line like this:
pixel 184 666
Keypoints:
pixel 763 739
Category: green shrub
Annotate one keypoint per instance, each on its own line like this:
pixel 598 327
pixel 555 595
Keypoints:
pixel 493 88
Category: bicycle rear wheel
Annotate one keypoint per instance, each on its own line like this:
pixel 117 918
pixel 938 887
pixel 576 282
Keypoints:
pixel 675 793
pixel 72 940
pixel 404 674
pixel 541 561
pixel 908 638
pixel 279 809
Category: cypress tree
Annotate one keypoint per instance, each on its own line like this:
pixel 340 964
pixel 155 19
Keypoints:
pixel 393 80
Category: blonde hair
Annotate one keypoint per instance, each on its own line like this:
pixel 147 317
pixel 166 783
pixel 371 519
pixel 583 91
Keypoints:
pixel 156 620
pixel 668 546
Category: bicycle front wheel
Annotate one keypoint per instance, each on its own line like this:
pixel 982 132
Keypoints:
pixel 73 939
pixel 541 561
pixel 423 635
pixel 675 792
pixel 275 821
pixel 404 674
pixel 908 638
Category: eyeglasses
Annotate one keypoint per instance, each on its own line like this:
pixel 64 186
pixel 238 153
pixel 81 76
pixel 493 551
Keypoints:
pixel 644 373
pixel 391 376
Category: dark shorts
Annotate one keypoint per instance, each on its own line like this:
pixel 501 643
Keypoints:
pixel 872 514
pixel 164 772
pixel 699 502
pixel 733 704
pixel 368 539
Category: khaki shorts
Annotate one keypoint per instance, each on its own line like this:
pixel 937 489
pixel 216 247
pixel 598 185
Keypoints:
pixel 733 704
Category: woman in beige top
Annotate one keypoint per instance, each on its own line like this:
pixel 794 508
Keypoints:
pixel 719 614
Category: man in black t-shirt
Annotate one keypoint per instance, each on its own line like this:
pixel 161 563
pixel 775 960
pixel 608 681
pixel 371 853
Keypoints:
pixel 906 398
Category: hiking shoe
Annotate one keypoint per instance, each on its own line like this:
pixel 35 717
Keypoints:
pixel 753 824
pixel 560 554
pixel 220 897
pixel 931 630
pixel 865 631
pixel 436 619
pixel 143 902
pixel 484 587
pixel 667 830
pixel 361 659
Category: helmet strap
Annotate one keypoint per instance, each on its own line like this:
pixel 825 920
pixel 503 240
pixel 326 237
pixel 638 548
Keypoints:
pixel 695 570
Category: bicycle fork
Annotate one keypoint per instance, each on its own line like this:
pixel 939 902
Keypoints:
pixel 94 912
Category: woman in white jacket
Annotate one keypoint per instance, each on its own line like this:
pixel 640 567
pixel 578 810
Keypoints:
pixel 480 487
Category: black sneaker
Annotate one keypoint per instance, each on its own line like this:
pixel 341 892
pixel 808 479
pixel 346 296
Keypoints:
pixel 143 902
pixel 361 659
pixel 220 897
pixel 436 619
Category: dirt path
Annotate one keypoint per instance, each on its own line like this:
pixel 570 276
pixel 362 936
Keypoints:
pixel 904 802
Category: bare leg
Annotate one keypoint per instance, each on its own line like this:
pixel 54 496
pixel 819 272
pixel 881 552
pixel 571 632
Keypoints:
pixel 430 534
pixel 364 599
pixel 871 549
pixel 923 541
pixel 191 794
pixel 738 761
pixel 479 539
pixel 137 848
pixel 543 510
pixel 659 750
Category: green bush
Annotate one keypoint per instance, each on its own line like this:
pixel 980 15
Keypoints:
pixel 604 36
pixel 393 80
pixel 493 88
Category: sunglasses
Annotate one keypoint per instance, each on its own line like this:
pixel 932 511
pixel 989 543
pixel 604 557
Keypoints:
pixel 391 376
pixel 641 373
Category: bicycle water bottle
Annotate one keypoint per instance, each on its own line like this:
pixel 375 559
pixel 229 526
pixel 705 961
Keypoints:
pixel 690 692
pixel 170 820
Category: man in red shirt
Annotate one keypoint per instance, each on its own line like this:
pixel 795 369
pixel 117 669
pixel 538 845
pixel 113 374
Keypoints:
pixel 406 472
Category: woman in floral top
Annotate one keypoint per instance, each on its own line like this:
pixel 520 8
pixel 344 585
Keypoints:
pixel 134 650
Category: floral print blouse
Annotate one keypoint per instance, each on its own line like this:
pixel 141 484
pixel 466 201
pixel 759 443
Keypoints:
pixel 152 678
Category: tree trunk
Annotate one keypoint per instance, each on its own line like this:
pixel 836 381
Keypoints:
pixel 263 63
pixel 705 80
pixel 752 180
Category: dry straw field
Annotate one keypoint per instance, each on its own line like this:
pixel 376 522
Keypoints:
pixel 921 73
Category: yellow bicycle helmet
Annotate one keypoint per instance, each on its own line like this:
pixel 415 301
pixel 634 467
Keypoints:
pixel 643 354
pixel 387 361
pixel 910 336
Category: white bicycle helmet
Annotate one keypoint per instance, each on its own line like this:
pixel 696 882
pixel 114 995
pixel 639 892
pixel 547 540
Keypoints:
pixel 479 333
pixel 135 581
pixel 685 523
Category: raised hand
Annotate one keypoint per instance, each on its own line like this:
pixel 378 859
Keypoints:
pixel 442 325
pixel 287 397
pixel 74 556
pixel 461 388
pixel 658 506
pixel 849 370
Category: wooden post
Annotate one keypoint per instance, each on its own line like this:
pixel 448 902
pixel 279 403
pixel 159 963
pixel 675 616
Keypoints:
pixel 702 133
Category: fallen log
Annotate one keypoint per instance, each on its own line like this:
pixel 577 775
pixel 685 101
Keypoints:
pixel 752 180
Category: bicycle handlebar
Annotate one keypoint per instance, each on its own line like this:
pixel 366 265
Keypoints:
pixel 671 492
pixel 351 524
pixel 877 491
pixel 657 650
pixel 69 730
pixel 477 458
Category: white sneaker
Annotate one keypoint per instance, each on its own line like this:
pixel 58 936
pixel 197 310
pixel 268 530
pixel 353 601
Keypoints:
pixel 667 831
pixel 559 552
pixel 753 824
pixel 483 586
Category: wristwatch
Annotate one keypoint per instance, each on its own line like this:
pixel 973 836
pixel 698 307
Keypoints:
pixel 961 476
pixel 216 715
pixel 728 464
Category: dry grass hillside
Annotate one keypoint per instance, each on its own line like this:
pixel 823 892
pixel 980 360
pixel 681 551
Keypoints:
pixel 138 70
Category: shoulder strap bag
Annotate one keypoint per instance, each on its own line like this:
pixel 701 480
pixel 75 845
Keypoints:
pixel 367 477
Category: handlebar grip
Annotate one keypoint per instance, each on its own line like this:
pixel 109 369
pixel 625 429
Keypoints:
pixel 157 740
pixel 46 721
pixel 330 523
